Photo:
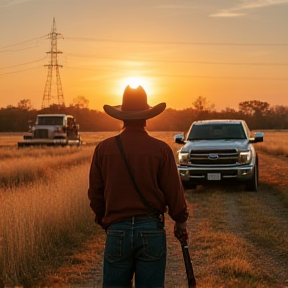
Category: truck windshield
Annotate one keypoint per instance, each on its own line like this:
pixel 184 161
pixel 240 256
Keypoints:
pixel 49 120
pixel 216 131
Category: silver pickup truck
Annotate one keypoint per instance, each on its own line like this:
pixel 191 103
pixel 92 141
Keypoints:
pixel 218 150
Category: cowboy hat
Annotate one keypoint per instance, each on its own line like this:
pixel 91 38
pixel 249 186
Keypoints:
pixel 134 106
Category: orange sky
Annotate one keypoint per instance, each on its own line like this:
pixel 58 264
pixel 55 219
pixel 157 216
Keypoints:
pixel 228 51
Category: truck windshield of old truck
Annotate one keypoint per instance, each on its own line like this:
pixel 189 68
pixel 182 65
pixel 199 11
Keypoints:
pixel 50 120
pixel 216 131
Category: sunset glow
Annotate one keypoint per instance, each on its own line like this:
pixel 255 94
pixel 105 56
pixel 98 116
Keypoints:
pixel 134 82
pixel 238 52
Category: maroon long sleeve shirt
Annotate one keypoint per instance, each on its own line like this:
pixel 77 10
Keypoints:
pixel 111 191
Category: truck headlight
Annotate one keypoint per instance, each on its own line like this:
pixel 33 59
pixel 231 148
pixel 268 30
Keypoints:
pixel 245 157
pixel 183 158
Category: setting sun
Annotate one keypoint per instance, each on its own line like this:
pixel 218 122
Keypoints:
pixel 134 82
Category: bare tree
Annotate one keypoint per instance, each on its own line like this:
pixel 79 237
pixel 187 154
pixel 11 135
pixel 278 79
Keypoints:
pixel 202 104
pixel 25 104
pixel 80 102
pixel 254 108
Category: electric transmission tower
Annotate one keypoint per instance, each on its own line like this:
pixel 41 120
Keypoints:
pixel 53 93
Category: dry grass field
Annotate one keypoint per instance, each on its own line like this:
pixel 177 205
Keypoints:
pixel 275 143
pixel 48 237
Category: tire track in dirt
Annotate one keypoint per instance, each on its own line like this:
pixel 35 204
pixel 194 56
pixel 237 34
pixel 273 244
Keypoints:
pixel 273 263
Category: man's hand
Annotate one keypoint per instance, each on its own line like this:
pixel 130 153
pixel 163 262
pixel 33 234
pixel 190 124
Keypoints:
pixel 180 232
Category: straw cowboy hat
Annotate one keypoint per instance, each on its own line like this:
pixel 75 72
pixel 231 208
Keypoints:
pixel 134 106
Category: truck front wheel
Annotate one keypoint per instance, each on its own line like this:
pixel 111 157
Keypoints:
pixel 252 184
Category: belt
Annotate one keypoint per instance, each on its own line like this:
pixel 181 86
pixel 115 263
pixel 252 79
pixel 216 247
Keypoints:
pixel 132 219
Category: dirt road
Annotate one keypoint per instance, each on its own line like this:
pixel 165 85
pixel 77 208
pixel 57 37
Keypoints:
pixel 237 238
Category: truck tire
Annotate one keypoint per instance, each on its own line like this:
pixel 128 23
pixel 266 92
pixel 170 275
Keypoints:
pixel 252 184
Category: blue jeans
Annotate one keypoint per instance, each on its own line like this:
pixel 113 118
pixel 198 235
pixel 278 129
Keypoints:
pixel 135 246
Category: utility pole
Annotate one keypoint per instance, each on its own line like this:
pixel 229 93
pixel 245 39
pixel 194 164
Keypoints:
pixel 53 93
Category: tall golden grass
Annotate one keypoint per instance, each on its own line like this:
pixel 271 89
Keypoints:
pixel 41 220
pixel 44 210
pixel 39 163
pixel 275 143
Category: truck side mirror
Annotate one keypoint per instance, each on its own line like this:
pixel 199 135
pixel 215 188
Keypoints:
pixel 258 137
pixel 179 138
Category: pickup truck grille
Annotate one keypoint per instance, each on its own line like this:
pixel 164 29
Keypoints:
pixel 41 134
pixel 214 157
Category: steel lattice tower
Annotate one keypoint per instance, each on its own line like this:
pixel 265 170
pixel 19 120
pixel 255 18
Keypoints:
pixel 53 93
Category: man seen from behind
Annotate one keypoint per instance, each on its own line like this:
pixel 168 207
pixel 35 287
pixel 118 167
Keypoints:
pixel 136 239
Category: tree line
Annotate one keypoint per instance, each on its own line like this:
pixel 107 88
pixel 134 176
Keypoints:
pixel 257 114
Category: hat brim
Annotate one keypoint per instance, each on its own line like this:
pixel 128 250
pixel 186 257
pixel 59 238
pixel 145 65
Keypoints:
pixel 118 113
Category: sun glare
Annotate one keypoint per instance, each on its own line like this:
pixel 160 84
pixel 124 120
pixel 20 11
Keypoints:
pixel 134 82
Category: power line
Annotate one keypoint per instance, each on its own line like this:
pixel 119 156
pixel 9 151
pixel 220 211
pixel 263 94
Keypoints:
pixel 175 42
pixel 19 71
pixel 227 77
pixel 22 46
pixel 177 75
pixel 22 64
pixel 153 42
pixel 155 60
pixel 23 42
pixel 16 50
pixel 199 76
pixel 182 61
